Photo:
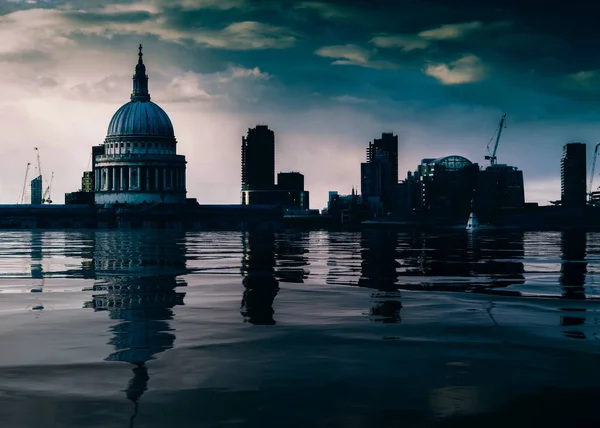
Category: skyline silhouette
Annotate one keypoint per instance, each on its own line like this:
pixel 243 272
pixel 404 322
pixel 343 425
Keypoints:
pixel 327 77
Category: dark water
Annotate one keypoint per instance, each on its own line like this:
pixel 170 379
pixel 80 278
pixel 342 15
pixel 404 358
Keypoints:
pixel 371 329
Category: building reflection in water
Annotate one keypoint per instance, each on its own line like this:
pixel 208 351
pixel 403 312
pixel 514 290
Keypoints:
pixel 137 278
pixel 379 270
pixel 573 270
pixel 438 262
pixel 290 253
pixel 258 272
pixel 36 242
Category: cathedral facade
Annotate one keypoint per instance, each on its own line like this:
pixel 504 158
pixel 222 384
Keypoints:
pixel 139 162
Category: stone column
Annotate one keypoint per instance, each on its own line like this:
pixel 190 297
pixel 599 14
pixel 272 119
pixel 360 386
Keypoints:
pixel 130 175
pixel 156 187
pixel 147 178
pixel 107 179
pixel 164 178
pixel 114 178
pixel 120 178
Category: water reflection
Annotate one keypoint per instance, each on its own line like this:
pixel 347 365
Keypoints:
pixel 573 267
pixel 462 261
pixel 136 284
pixel 258 272
pixel 291 251
pixel 379 270
pixel 573 270
pixel 37 269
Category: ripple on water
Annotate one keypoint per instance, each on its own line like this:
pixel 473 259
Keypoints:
pixel 253 329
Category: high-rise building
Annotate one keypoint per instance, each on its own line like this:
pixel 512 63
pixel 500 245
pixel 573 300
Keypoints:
pixel 36 190
pixel 258 174
pixel 258 159
pixel 448 185
pixel 499 186
pixel 379 175
pixel 573 175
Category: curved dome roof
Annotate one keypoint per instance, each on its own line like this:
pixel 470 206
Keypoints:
pixel 453 162
pixel 143 118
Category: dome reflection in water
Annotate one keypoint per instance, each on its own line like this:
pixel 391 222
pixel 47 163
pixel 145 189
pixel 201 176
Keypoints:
pixel 137 285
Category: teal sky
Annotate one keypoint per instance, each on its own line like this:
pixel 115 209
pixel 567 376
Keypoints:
pixel 327 77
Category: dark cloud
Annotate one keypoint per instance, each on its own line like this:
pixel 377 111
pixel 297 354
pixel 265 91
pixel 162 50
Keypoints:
pixel 124 17
pixel 26 56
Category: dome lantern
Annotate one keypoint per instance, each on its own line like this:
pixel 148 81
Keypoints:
pixel 140 80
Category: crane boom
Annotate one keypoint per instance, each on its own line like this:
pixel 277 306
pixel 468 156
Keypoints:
pixel 21 199
pixel 48 193
pixel 492 157
pixel 39 163
pixel 593 169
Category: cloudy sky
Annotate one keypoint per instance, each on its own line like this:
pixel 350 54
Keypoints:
pixel 326 76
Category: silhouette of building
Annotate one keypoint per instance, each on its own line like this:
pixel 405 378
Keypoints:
pixel 85 195
pixel 347 209
pixel 139 163
pixel 448 184
pixel 573 176
pixel 36 190
pixel 258 174
pixel 258 165
pixel 291 190
pixel 379 175
pixel 290 180
pixel 500 186
pixel 409 193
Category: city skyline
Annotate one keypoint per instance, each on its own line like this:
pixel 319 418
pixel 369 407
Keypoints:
pixel 325 83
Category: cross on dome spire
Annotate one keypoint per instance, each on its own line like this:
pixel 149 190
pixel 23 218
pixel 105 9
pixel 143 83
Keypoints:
pixel 140 80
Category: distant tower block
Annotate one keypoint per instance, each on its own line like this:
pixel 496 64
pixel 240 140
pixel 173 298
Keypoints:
pixel 573 175
pixel 36 190
pixel 258 162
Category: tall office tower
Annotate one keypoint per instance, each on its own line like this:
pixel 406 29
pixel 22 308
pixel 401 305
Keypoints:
pixel 36 190
pixel 573 175
pixel 258 158
pixel 379 175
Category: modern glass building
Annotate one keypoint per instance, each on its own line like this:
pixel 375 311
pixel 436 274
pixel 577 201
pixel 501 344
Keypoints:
pixel 448 184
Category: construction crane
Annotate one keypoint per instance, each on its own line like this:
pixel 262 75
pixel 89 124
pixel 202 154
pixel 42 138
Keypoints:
pixel 46 198
pixel 590 189
pixel 39 163
pixel 22 197
pixel 492 155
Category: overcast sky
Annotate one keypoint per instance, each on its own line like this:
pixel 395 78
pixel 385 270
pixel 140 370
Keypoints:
pixel 327 77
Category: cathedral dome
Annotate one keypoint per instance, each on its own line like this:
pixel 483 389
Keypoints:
pixel 140 116
pixel 143 118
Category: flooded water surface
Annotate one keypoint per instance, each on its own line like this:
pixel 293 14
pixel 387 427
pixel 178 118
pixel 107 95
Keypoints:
pixel 322 329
